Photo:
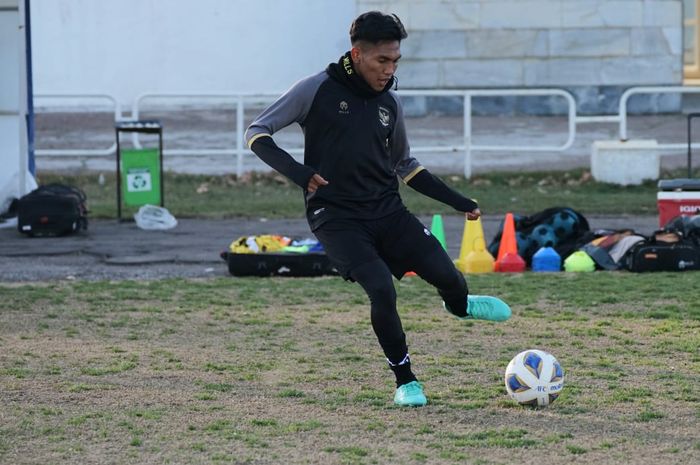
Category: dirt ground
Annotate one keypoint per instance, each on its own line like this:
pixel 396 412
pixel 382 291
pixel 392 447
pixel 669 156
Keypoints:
pixel 112 250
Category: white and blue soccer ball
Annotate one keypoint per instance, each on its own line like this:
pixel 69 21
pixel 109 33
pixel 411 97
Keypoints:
pixel 534 377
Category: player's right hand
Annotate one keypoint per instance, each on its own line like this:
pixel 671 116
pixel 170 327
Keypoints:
pixel 315 182
pixel 473 215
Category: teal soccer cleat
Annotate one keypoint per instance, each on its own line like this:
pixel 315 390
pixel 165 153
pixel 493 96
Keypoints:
pixel 485 307
pixel 410 395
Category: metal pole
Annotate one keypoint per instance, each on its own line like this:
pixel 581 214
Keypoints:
pixel 622 114
pixel 690 117
pixel 30 88
pixel 162 177
pixel 239 137
pixel 467 136
pixel 690 142
pixel 119 178
pixel 22 111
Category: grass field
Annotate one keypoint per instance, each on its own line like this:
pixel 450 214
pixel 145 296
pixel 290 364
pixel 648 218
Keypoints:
pixel 271 371
pixel 275 197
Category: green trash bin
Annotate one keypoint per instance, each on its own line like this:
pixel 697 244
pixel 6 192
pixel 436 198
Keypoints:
pixel 139 171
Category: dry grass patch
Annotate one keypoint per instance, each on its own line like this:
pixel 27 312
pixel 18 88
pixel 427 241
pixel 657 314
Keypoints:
pixel 288 371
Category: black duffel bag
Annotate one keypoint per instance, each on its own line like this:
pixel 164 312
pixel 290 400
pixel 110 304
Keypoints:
pixel 664 251
pixel 52 210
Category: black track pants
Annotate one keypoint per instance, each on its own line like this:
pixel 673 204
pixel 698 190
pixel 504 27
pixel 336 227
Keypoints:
pixel 371 251
pixel 376 279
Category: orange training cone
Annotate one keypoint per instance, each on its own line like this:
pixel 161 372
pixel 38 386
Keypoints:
pixel 508 243
pixel 508 259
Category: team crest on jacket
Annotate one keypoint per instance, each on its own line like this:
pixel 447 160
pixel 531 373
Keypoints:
pixel 343 105
pixel 384 116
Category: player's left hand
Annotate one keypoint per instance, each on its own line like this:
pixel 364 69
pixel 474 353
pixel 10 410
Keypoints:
pixel 473 215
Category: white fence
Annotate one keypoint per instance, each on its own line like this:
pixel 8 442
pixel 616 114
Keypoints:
pixel 239 101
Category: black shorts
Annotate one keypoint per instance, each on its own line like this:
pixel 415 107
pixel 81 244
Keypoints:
pixel 397 239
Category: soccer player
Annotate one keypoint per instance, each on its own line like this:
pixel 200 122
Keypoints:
pixel 355 148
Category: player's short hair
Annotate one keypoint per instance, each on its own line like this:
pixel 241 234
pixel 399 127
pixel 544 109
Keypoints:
pixel 375 26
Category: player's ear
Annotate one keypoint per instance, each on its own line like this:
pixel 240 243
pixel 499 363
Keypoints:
pixel 355 53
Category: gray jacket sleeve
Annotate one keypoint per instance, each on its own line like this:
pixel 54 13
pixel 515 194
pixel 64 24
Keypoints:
pixel 291 107
pixel 407 166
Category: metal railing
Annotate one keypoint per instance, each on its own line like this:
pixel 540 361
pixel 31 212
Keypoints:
pixel 467 147
pixel 113 103
pixel 239 100
pixel 622 113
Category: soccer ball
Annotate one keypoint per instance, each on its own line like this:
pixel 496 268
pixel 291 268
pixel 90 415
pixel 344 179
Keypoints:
pixel 534 377
pixel 544 236
pixel 564 224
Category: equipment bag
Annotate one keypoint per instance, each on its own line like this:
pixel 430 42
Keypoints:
pixel 688 226
pixel 558 227
pixel 664 251
pixel 278 264
pixel 609 248
pixel 52 210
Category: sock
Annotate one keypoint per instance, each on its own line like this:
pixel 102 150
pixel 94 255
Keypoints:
pixel 455 295
pixel 402 371
pixel 457 307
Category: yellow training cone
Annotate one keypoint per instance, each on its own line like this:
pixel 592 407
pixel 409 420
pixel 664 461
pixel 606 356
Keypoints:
pixel 480 261
pixel 474 245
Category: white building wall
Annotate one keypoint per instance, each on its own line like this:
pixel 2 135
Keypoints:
pixel 534 42
pixel 595 48
pixel 128 47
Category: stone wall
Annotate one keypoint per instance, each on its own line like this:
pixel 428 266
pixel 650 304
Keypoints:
pixel 593 48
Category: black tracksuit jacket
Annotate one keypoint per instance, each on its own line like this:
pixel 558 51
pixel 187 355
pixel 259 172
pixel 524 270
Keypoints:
pixel 355 138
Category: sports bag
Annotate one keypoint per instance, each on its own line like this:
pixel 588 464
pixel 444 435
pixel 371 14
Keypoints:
pixel 277 255
pixel 688 226
pixel 610 248
pixel 52 210
pixel 558 227
pixel 664 251
pixel 278 264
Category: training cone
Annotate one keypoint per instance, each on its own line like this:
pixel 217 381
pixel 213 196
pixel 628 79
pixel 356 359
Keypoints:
pixel 473 256
pixel 437 229
pixel 468 239
pixel 478 260
pixel 546 259
pixel 579 261
pixel 508 260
